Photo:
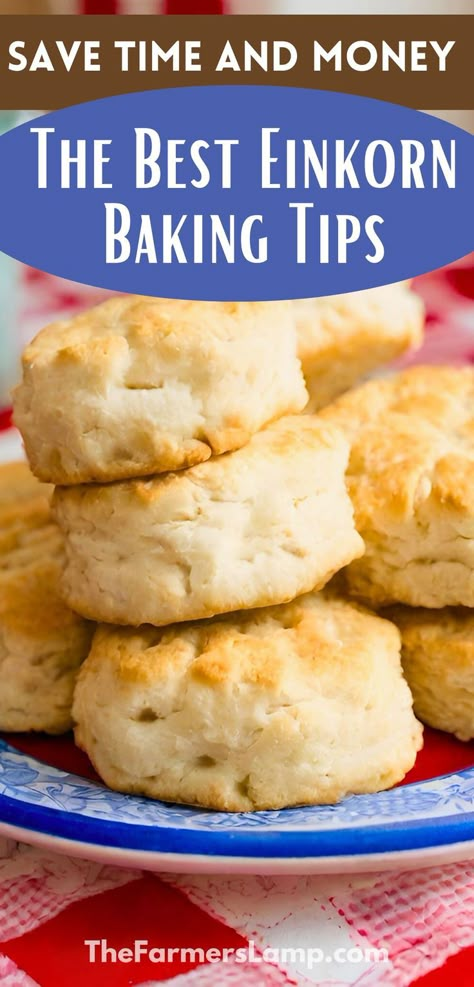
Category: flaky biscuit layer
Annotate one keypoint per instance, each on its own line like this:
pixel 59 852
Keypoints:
pixel 343 338
pixel 438 661
pixel 255 527
pixel 296 704
pixel 138 386
pixel 411 480
pixel 42 643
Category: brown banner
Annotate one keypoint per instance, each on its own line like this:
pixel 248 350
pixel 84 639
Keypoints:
pixel 419 61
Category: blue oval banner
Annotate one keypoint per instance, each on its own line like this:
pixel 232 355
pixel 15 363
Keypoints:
pixel 236 192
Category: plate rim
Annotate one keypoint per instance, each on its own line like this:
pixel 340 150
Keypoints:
pixel 356 841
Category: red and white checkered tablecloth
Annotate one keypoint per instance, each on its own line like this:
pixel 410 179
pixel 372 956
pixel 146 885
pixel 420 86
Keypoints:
pixel 50 905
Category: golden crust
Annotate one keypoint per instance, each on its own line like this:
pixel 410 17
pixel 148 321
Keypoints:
pixel 343 338
pixel 136 317
pixel 438 661
pixel 323 634
pixel 138 386
pixel 18 485
pixel 250 710
pixel 411 480
pixel 24 508
pixel 42 643
pixel 287 437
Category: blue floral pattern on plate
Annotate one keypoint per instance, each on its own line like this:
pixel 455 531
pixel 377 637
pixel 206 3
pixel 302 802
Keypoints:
pixel 47 799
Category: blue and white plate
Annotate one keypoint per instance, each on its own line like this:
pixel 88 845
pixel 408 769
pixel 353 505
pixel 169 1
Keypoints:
pixel 423 823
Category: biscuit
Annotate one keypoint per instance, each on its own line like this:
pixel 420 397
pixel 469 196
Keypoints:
pixel 42 643
pixel 24 504
pixel 138 386
pixel 253 528
pixel 438 661
pixel 411 480
pixel 18 485
pixel 298 704
pixel 342 338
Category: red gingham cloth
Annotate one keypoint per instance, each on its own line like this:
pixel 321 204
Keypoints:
pixel 50 904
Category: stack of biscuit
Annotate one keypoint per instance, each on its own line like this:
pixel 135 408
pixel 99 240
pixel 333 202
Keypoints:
pixel 203 517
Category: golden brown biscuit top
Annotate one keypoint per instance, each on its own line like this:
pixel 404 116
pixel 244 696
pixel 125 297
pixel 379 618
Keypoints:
pixel 412 438
pixel 31 558
pixel 334 324
pixel 134 321
pixel 24 507
pixel 31 603
pixel 317 636
pixel 17 484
